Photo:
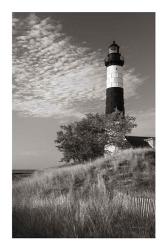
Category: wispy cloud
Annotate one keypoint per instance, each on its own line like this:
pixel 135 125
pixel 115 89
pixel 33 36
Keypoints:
pixel 53 76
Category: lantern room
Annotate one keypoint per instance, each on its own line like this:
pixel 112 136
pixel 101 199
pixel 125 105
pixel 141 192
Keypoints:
pixel 113 48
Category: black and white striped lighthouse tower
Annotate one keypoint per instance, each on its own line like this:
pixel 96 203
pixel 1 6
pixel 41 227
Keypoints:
pixel 114 89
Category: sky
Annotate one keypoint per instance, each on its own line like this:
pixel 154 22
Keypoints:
pixel 59 75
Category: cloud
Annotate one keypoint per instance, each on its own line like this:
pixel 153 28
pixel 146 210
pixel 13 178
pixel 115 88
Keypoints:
pixel 52 76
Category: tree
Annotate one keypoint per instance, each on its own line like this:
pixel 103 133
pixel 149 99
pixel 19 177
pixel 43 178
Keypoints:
pixel 86 139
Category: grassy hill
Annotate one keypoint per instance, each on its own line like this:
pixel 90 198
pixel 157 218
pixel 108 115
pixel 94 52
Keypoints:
pixel 110 197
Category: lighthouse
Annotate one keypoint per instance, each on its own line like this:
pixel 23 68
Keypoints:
pixel 115 97
pixel 114 87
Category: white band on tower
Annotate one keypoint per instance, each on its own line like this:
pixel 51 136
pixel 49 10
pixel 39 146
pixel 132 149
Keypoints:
pixel 114 76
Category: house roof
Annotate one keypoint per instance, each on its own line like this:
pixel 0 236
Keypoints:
pixel 139 141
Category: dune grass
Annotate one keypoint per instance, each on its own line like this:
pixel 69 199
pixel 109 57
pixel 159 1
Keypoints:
pixel 98 199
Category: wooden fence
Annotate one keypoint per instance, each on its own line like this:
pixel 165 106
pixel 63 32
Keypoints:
pixel 144 206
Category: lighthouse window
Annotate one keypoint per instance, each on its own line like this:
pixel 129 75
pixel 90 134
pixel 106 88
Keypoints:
pixel 113 50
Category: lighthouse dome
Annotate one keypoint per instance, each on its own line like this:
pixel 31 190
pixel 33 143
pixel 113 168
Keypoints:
pixel 114 48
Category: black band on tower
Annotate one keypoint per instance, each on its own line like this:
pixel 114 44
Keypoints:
pixel 114 100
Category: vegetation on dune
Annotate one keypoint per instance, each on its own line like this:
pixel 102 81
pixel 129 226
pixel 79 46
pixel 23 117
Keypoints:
pixel 86 139
pixel 96 199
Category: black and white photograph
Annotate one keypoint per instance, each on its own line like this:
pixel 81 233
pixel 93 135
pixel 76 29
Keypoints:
pixel 83 125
